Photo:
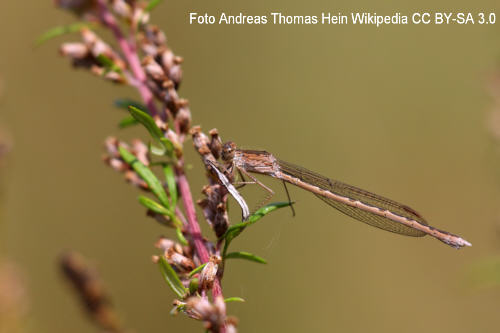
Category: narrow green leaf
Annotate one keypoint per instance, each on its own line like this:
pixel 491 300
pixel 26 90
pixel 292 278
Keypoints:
pixel 147 121
pixel 171 278
pixel 154 206
pixel 234 230
pixel 108 64
pixel 180 236
pixel 246 256
pixel 146 174
pixel 169 146
pixel 193 286
pixel 61 30
pixel 171 184
pixel 158 151
pixel 127 122
pixel 124 103
pixel 260 213
pixel 234 299
pixel 197 270
pixel 152 4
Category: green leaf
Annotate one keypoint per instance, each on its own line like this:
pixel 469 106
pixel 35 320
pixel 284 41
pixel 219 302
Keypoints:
pixel 127 122
pixel 147 121
pixel 246 256
pixel 146 174
pixel 62 30
pixel 234 299
pixel 193 286
pixel 124 103
pixel 197 270
pixel 108 64
pixel 169 146
pixel 180 236
pixel 152 4
pixel 171 278
pixel 234 230
pixel 154 206
pixel 171 184
pixel 158 151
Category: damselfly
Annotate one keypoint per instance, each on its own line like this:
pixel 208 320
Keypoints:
pixel 362 205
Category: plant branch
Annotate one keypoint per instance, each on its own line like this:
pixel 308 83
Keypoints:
pixel 129 52
pixel 193 225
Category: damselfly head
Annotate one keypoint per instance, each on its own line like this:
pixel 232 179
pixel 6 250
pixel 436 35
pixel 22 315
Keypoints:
pixel 228 150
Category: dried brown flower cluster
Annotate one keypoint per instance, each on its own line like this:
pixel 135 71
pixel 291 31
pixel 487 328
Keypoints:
pixel 91 291
pixel 157 74
pixel 145 62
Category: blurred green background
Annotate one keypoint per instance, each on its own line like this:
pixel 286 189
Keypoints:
pixel 399 110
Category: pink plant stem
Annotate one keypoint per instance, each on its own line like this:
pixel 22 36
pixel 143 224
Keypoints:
pixel 193 225
pixel 129 52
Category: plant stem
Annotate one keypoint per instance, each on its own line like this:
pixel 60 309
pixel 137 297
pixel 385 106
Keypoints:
pixel 130 54
pixel 193 225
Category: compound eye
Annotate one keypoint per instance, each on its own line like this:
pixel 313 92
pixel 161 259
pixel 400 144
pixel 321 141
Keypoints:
pixel 228 147
pixel 227 150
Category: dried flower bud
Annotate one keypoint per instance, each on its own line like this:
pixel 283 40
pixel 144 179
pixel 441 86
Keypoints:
pixel 117 164
pixel 121 8
pixel 134 179
pixel 74 50
pixel 152 68
pixel 174 138
pixel 184 119
pixel 182 263
pixel 160 123
pixel 111 143
pixel 175 74
pixel 162 219
pixel 220 305
pixel 209 273
pixel 167 59
pixel 164 244
pixel 98 47
pixel 149 49
pixel 231 328
pixel 171 97
pixel 108 75
pixel 140 17
pixel 141 151
pixel 155 35
pixel 215 143
pixel 200 308
pixel 178 60
pixel 212 314
pixel 231 324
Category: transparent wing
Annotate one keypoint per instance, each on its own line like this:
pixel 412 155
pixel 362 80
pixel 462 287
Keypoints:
pixel 361 195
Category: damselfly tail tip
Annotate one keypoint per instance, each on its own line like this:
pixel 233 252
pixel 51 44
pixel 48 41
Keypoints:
pixel 456 242
pixel 466 243
pixel 460 242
